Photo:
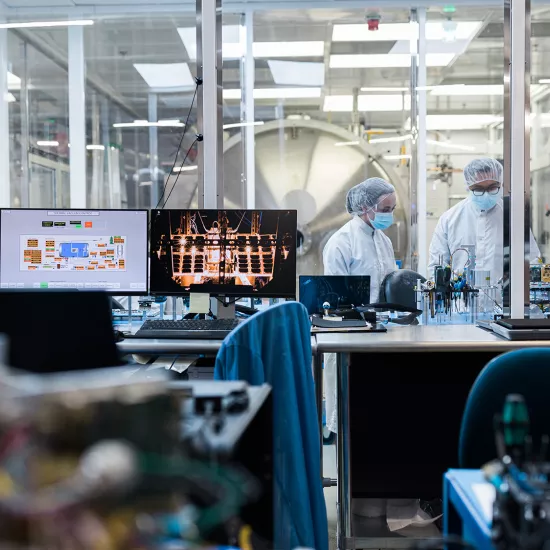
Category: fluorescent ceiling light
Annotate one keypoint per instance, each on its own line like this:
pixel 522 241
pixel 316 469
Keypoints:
pixel 47 143
pixel 14 82
pixel 241 124
pixel 390 32
pixel 380 60
pixel 297 73
pixel 345 143
pixel 467 90
pixel 396 157
pixel 289 49
pixel 367 103
pixel 147 124
pixel 165 75
pixel 544 81
pixel 231 46
pixel 391 139
pixel 459 122
pixel 10 98
pixel 95 147
pixel 233 49
pixel 388 89
pixel 184 168
pixel 38 24
pixel 276 93
pixel 449 145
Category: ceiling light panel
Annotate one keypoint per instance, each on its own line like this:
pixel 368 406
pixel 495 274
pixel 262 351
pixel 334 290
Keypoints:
pixel 372 61
pixel 459 122
pixel 233 49
pixel 297 73
pixel 45 24
pixel 289 49
pixel 276 93
pixel 468 90
pixel 390 32
pixel 165 75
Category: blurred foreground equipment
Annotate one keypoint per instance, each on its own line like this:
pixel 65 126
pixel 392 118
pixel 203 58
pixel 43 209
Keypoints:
pixel 108 460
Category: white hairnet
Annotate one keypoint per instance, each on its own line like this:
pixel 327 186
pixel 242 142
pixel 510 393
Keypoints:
pixel 367 195
pixel 480 170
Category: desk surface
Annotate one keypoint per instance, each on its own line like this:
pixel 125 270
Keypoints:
pixel 420 338
pixel 149 346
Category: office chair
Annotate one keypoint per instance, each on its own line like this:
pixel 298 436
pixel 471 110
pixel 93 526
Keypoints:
pixel 523 372
pixel 274 347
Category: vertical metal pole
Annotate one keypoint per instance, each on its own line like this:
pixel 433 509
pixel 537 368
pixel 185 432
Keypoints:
pixel 507 151
pixel 247 96
pixel 520 184
pixel 105 197
pixel 318 381
pixel 5 190
pixel 77 117
pixel 153 150
pixel 97 157
pixel 421 146
pixel 209 103
pixel 413 169
pixel 25 190
pixel 343 452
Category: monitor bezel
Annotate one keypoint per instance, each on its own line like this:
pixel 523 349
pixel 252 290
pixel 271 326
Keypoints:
pixel 110 292
pixel 230 294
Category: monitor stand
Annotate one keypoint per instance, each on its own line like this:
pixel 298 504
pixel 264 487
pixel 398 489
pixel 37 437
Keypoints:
pixel 225 310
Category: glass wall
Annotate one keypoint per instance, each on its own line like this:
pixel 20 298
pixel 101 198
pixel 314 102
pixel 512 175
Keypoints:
pixel 332 92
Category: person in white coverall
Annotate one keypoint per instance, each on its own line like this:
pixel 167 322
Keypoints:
pixel 477 220
pixel 360 248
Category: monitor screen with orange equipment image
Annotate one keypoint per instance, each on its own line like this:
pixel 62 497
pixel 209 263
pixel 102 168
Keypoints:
pixel 224 252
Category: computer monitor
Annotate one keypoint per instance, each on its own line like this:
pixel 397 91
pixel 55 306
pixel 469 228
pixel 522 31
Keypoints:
pixel 57 331
pixel 340 291
pixel 224 252
pixel 74 249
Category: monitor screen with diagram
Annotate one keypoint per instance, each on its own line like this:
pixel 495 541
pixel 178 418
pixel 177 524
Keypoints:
pixel 224 252
pixel 78 249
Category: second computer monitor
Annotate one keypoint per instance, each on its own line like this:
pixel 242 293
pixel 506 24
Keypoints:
pixel 339 291
pixel 224 252
pixel 78 249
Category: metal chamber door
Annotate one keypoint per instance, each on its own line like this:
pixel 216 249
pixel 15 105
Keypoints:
pixel 302 165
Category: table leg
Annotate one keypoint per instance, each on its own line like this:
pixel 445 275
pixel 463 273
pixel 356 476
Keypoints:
pixel 343 459
pixel 318 381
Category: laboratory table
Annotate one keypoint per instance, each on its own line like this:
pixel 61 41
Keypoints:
pixel 400 398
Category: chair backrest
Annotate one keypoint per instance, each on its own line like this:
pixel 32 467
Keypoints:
pixel 398 288
pixel 274 347
pixel 525 372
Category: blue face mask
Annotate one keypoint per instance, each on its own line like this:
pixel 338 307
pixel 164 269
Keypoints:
pixel 382 220
pixel 485 201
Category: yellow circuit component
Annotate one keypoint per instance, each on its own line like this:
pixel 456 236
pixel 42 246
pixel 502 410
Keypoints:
pixel 545 273
pixel 7 487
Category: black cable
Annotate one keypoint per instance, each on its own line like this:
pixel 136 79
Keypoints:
pixel 227 304
pixel 198 82
pixel 197 139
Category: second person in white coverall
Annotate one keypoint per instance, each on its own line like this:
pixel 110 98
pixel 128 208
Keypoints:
pixel 478 221
pixel 360 248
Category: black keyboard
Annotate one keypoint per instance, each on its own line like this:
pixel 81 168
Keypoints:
pixel 204 329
